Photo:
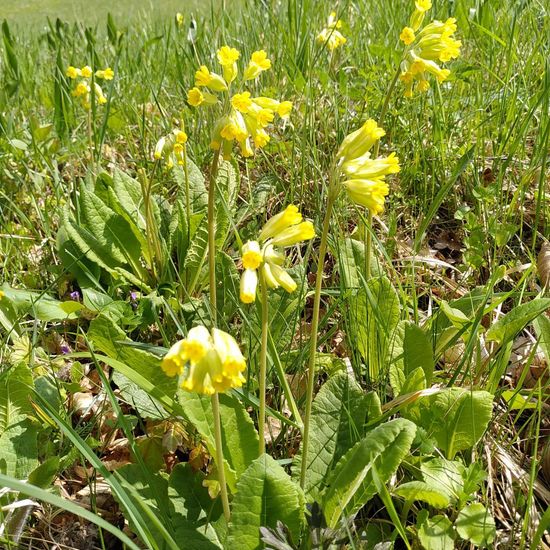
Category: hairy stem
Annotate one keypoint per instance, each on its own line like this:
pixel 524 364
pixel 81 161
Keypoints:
pixel 212 234
pixel 219 455
pixel 332 195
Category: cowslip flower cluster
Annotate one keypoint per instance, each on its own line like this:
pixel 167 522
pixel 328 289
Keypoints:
pixel 248 118
pixel 425 47
pixel 208 362
pixel 366 184
pixel 330 35
pixel 282 230
pixel 171 148
pixel 82 89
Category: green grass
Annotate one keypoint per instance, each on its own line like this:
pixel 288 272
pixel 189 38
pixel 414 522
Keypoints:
pixel 35 12
pixel 463 223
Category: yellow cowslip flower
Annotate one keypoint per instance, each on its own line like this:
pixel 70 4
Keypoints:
pixel 420 9
pixel 171 148
pixel 205 78
pixel 105 74
pixel 179 19
pixel 173 362
pixel 330 35
pixel 249 284
pixel 82 89
pixel 242 102
pixel 159 148
pixel 86 71
pixel 181 136
pixel 407 36
pixel 425 48
pixel 207 362
pixel 283 230
pixel 258 63
pixel 100 97
pixel 73 72
pixel 246 119
pixel 227 58
pixel 368 193
pixel 2 294
pixel 366 183
pixel 359 142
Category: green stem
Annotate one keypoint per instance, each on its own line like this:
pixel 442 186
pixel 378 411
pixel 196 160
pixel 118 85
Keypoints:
pixel 219 455
pixel 212 234
pixel 263 359
pixel 368 230
pixel 332 195
pixel 368 245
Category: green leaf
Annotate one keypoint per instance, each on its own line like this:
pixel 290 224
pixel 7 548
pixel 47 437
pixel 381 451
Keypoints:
pixel 196 518
pixel 411 349
pixel 447 476
pixel 111 231
pixel 337 418
pixel 39 305
pixel 513 322
pixel 351 258
pixel 455 417
pixel 265 495
pixel 110 339
pixel 351 483
pixel 239 436
pixel 375 314
pixel 475 524
pixel 226 197
pixel 437 533
pixel 420 490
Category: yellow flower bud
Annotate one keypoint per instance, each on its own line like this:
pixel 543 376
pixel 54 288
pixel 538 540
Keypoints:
pixel 241 102
pixel 284 109
pixel 86 71
pixel 359 142
pixel 294 234
pixel 289 216
pixel 249 283
pixel 283 278
pixel 159 148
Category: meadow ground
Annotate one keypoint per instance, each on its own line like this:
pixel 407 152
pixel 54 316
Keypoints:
pixel 396 388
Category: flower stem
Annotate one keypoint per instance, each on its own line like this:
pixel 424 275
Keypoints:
pixel 368 245
pixel 263 360
pixel 332 195
pixel 368 229
pixel 212 235
pixel 219 455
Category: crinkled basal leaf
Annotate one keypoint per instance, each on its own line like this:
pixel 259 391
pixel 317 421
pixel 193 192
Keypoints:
pixel 457 418
pixel 240 438
pixel 112 234
pixel 197 190
pixel 409 350
pixel 337 418
pixel 18 445
pixel 445 475
pixel 226 197
pixel 508 326
pixel 265 495
pixel 351 483
pixel 196 518
pixel 375 314
pixel 351 257
pixel 437 533
pixel 475 524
